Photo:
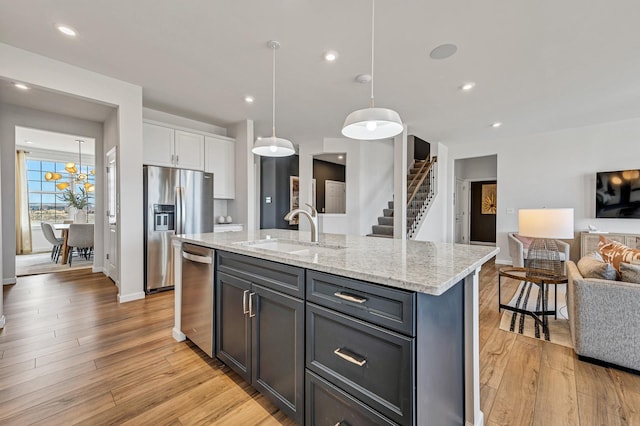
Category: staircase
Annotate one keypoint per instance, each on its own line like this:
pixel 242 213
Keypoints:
pixel 420 191
pixel 384 228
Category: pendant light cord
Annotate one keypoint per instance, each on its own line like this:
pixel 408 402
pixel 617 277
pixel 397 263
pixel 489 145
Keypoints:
pixel 373 23
pixel 273 123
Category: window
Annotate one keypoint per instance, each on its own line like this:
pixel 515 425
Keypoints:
pixel 44 205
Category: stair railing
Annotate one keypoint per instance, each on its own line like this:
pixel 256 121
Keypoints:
pixel 421 195
pixel 427 166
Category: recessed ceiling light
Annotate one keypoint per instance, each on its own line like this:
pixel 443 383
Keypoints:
pixel 340 157
pixel 496 124
pixel 468 86
pixel 29 142
pixel 444 51
pixel 259 137
pixel 67 30
pixel 331 56
pixel 21 86
pixel 249 99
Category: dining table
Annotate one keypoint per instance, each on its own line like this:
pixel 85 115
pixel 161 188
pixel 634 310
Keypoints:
pixel 64 228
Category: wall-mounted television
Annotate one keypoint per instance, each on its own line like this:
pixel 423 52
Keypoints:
pixel 618 194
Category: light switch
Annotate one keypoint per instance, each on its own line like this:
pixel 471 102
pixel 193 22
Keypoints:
pixel 267 200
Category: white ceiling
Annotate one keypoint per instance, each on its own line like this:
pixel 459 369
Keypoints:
pixel 539 65
pixel 44 140
pixel 332 158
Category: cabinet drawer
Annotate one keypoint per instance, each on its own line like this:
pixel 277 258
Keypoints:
pixel 327 405
pixel 388 307
pixel 372 364
pixel 276 276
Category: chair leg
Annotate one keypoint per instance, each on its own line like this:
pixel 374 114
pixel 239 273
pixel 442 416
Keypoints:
pixel 70 258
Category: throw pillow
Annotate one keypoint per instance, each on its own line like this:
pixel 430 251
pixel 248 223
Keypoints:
pixel 592 266
pixel 615 253
pixel 526 241
pixel 630 273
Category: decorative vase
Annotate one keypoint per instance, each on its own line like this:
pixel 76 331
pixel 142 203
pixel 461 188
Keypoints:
pixel 229 219
pixel 220 219
pixel 71 213
pixel 81 217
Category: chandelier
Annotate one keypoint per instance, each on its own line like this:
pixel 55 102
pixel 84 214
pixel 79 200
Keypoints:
pixel 75 174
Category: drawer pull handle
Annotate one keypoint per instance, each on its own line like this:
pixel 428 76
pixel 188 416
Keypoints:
pixel 350 357
pixel 251 313
pixel 245 310
pixel 349 297
pixel 341 423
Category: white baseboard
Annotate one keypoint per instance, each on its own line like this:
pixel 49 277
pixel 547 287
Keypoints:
pixel 479 420
pixel 9 281
pixel 178 335
pixel 503 262
pixel 130 297
pixel 2 321
pixel 97 269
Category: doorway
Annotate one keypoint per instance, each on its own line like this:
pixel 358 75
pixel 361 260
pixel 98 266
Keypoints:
pixel 476 200
pixel 55 185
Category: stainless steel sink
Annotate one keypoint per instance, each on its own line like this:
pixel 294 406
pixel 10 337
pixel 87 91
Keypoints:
pixel 291 246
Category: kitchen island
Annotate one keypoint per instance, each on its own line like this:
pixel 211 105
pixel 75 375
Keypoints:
pixel 363 330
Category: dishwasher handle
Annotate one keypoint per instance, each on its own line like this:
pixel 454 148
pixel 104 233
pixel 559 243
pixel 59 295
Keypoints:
pixel 195 258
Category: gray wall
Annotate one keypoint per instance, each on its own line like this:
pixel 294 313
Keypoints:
pixel 12 116
pixel 322 172
pixel 274 183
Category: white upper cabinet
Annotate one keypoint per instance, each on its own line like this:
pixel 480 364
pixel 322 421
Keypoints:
pixel 219 159
pixel 189 150
pixel 157 145
pixel 166 146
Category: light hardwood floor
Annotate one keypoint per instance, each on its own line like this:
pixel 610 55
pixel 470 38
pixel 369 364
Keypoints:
pixel 70 354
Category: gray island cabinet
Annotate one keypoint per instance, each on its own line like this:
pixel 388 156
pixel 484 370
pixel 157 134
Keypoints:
pixel 353 331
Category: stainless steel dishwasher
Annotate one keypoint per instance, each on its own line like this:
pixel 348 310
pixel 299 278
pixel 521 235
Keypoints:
pixel 197 296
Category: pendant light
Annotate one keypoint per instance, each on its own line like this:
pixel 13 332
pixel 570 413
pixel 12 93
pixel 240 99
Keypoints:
pixel 372 123
pixel 273 146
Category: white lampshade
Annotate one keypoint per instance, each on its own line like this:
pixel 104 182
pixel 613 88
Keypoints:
pixel 546 223
pixel 273 147
pixel 372 123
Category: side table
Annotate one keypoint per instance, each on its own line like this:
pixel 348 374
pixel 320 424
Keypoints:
pixel 542 279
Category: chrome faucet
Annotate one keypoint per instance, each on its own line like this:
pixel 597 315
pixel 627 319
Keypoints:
pixel 313 220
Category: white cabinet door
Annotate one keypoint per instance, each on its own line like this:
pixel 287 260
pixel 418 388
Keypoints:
pixel 189 150
pixel 220 159
pixel 157 145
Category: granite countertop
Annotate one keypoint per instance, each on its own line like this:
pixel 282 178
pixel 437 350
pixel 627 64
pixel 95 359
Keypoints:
pixel 421 266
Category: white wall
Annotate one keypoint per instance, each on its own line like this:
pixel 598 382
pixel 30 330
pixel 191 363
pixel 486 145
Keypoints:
pixel 433 227
pixel 554 170
pixel 46 73
pixel 476 168
pixel 244 208
pixel 12 116
pixel 179 121
pixel 2 319
pixel 110 141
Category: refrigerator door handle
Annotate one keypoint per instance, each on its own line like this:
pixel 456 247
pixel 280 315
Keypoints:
pixel 179 211
pixel 183 207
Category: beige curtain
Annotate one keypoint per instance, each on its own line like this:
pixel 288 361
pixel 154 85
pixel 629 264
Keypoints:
pixel 23 221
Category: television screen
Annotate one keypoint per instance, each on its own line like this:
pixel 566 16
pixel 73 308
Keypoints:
pixel 618 194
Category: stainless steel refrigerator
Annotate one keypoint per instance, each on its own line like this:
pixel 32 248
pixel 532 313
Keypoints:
pixel 176 201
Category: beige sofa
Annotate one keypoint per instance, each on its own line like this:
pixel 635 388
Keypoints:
pixel 604 317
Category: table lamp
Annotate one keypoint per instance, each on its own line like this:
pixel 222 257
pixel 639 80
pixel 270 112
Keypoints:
pixel 545 226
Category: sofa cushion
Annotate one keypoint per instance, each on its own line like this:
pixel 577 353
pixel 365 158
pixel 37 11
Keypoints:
pixel 592 266
pixel 615 253
pixel 630 273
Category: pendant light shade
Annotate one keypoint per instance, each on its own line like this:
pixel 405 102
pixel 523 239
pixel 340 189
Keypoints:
pixel 372 123
pixel 273 146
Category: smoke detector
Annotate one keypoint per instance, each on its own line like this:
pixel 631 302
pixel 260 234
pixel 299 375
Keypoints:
pixel 363 78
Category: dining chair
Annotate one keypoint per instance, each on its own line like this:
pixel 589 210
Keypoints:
pixel 81 238
pixel 56 242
